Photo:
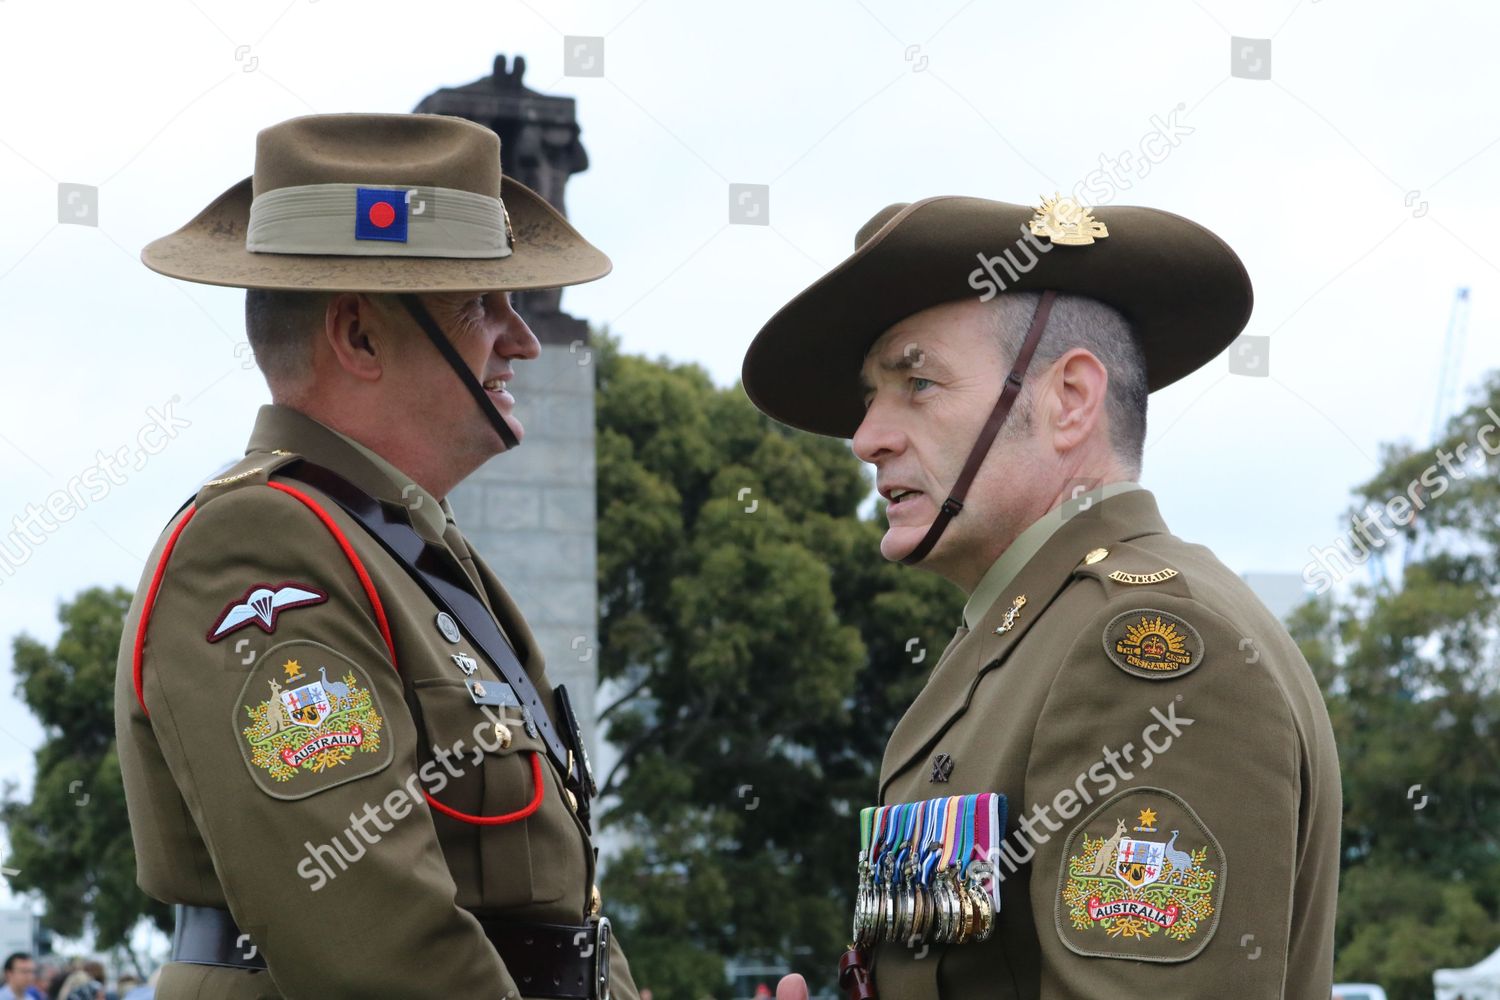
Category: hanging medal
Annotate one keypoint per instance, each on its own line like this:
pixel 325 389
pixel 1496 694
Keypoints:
pixel 919 903
pixel 967 915
pixel 980 866
pixel 877 847
pixel 863 910
pixel 948 893
pixel 927 872
pixel 886 900
pixel 931 848
pixel 901 882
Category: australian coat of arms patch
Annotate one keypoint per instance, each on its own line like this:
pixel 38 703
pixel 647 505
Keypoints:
pixel 308 719
pixel 1142 878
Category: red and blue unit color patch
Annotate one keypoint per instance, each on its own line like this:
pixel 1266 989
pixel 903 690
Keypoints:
pixel 380 214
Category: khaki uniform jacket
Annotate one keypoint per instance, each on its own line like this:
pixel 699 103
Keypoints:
pixel 280 773
pixel 1170 773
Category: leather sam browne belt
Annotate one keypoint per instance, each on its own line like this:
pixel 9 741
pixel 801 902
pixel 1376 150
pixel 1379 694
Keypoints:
pixel 390 525
pixel 550 961
pixel 554 960
pixel 424 563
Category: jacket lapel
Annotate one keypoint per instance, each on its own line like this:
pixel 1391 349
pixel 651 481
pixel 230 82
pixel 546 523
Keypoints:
pixel 951 684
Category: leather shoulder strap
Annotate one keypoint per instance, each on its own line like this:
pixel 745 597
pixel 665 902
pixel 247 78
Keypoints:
pixel 1012 388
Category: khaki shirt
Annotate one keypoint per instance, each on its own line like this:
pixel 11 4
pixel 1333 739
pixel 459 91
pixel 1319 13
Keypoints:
pixel 1170 772
pixel 1027 544
pixel 281 771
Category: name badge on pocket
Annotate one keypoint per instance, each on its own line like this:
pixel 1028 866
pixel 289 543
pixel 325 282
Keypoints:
pixel 492 692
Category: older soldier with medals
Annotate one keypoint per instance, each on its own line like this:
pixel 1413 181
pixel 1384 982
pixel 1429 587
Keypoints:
pixel 343 760
pixel 1120 778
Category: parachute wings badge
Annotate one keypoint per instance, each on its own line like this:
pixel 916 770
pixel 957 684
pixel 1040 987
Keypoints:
pixel 261 605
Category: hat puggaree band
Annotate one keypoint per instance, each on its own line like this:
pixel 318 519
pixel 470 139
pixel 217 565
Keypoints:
pixel 378 220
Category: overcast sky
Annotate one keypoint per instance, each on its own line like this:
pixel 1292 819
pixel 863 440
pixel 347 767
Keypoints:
pixel 1356 183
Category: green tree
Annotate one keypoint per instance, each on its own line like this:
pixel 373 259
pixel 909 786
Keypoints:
pixel 71 839
pixel 764 651
pixel 1409 668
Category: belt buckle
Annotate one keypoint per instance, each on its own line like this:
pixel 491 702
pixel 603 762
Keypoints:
pixel 601 958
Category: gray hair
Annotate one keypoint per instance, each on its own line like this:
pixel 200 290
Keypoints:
pixel 280 326
pixel 1078 321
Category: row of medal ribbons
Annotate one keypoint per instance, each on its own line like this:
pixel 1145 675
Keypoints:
pixel 927 871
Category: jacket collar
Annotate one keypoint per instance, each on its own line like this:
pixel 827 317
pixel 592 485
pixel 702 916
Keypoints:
pixel 282 429
pixel 946 695
pixel 1028 543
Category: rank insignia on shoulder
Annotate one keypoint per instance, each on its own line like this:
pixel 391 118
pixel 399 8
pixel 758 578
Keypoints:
pixel 236 477
pixel 261 605
pixel 308 719
pixel 1153 644
pixel 1152 898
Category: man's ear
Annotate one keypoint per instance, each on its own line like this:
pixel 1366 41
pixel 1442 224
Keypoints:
pixel 358 332
pixel 1079 386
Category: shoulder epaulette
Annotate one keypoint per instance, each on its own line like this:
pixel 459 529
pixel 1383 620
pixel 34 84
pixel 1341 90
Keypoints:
pixel 1124 567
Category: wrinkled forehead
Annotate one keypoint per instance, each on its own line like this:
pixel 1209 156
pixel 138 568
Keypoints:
pixel 894 352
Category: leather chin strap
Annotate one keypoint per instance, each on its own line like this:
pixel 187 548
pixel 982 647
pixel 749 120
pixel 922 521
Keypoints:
pixel 450 354
pixel 955 501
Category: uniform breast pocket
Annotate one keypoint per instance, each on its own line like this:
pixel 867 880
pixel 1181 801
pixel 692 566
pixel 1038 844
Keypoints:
pixel 488 784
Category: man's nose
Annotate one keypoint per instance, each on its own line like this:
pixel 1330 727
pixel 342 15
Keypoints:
pixel 517 341
pixel 877 436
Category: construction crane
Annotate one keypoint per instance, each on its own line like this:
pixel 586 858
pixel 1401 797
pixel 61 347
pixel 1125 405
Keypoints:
pixel 1453 352
pixel 1444 404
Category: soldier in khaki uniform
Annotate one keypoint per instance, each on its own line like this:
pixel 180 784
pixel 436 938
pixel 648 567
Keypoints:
pixel 1169 772
pixel 342 756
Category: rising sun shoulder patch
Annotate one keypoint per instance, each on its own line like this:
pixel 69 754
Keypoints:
pixel 1142 879
pixel 308 719
pixel 1153 644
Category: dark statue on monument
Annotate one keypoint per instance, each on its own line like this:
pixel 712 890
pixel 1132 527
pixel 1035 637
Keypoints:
pixel 534 508
pixel 539 146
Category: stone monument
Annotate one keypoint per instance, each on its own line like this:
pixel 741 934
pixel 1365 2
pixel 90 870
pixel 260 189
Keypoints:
pixel 531 513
